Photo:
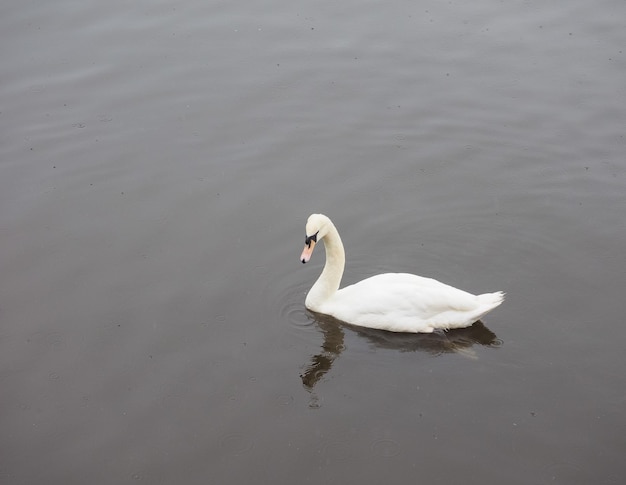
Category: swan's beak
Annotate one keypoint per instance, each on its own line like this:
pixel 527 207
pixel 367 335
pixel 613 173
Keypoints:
pixel 307 251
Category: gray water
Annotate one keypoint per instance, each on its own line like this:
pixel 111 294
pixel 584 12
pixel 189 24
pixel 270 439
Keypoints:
pixel 158 163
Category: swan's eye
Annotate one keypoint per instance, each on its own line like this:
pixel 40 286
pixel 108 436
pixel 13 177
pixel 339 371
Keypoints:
pixel 308 239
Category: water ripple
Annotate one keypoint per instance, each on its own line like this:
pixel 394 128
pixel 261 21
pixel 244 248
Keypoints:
pixel 285 400
pixel 286 300
pixel 295 314
pixel 386 448
pixel 235 443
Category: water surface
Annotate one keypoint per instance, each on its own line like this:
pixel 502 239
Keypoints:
pixel 158 163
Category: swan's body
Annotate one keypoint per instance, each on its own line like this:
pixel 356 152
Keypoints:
pixel 398 302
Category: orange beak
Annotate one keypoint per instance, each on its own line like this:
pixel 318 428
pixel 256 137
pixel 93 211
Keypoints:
pixel 307 251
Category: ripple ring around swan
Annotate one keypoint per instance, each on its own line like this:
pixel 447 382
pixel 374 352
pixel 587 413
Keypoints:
pixel 287 302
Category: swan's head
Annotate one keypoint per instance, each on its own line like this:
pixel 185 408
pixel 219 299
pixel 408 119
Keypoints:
pixel 317 226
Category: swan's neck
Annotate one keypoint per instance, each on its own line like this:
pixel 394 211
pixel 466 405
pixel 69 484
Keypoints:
pixel 328 282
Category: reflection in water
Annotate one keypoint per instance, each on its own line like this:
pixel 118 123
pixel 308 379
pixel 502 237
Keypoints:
pixel 459 340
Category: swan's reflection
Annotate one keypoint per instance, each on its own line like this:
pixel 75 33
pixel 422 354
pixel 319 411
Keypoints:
pixel 453 341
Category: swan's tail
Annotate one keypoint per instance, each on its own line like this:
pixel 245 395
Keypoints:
pixel 491 300
pixel 464 318
pixel 488 301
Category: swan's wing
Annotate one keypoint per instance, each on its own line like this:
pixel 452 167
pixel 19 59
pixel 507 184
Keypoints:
pixel 425 296
pixel 396 300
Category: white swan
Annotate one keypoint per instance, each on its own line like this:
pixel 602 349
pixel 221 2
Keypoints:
pixel 398 302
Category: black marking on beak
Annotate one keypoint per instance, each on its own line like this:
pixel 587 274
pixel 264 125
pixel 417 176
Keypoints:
pixel 308 239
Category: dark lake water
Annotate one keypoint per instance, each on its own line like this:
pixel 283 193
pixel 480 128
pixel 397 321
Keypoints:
pixel 158 161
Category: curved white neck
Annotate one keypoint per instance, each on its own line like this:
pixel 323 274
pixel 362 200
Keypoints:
pixel 328 282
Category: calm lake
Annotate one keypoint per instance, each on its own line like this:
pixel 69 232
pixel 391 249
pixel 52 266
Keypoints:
pixel 158 162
